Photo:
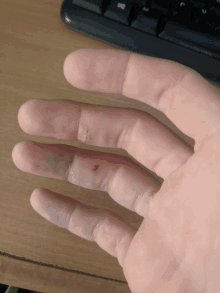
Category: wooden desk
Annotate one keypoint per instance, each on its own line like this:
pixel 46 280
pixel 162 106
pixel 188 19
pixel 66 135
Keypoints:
pixel 35 254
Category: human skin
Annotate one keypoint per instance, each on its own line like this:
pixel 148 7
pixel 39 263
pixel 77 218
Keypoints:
pixel 177 246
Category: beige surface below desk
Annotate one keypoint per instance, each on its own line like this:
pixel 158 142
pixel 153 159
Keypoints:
pixel 34 254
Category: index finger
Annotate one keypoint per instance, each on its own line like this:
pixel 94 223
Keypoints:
pixel 182 94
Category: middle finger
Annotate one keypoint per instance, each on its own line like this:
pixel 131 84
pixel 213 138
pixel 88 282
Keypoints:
pixel 145 138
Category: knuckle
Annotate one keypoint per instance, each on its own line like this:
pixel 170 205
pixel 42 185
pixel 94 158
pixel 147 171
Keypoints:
pixel 106 179
pixel 90 173
pixel 167 94
pixel 83 133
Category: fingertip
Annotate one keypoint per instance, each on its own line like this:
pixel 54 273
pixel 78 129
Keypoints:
pixel 36 194
pixel 76 67
pixel 70 67
pixel 26 117
pixel 19 151
pixel 38 200
pixel 54 207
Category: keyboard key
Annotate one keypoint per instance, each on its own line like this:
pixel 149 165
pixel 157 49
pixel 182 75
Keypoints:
pixel 152 17
pixel 204 20
pixel 184 35
pixel 181 11
pixel 161 5
pixel 92 5
pixel 216 9
pixel 120 11
pixel 147 20
pixel 189 24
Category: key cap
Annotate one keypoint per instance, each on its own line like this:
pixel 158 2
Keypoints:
pixel 161 5
pixel 152 17
pixel 180 34
pixel 92 5
pixel 120 11
pixel 194 30
pixel 216 9
pixel 202 20
pixel 181 11
pixel 147 20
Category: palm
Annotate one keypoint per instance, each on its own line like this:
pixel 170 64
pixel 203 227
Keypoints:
pixel 176 248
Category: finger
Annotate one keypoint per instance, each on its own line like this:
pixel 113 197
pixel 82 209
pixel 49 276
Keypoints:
pixel 107 229
pixel 127 183
pixel 145 138
pixel 182 94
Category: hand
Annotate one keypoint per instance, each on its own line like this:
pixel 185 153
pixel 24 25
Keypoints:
pixel 177 246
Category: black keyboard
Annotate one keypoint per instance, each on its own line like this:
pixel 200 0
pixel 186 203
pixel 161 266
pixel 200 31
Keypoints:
pixel 187 31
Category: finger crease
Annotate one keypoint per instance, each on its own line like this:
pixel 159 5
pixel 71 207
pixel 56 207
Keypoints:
pixel 125 73
pixel 67 173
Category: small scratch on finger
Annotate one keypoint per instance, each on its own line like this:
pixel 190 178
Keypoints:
pixel 95 168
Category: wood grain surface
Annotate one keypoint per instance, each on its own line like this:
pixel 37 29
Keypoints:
pixel 35 254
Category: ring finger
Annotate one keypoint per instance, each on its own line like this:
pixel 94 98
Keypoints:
pixel 129 184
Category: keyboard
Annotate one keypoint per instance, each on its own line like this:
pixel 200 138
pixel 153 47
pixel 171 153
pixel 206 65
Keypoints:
pixel 187 31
